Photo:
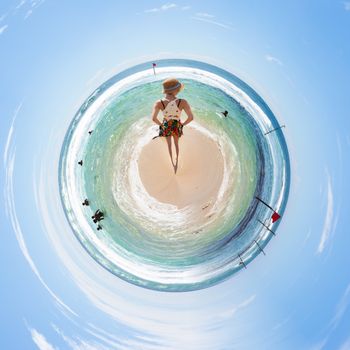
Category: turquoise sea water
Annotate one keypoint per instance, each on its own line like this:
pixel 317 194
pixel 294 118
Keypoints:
pixel 157 245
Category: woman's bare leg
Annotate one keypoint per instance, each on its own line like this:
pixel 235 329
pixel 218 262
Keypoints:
pixel 168 140
pixel 176 141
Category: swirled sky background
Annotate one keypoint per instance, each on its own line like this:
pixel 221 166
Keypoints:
pixel 295 54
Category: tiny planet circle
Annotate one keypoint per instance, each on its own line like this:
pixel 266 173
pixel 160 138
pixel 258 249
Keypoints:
pixel 165 230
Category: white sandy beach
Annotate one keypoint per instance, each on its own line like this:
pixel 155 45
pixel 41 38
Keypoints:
pixel 199 174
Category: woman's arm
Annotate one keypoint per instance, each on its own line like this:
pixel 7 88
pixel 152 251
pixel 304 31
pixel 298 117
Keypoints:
pixel 155 111
pixel 187 109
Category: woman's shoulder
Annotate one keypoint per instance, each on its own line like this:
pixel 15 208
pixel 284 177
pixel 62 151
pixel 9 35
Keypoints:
pixel 158 103
pixel 183 102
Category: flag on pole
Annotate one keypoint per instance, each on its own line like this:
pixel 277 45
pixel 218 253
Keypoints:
pixel 275 216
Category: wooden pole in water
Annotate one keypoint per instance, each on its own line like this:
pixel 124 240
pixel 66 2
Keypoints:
pixel 280 127
pixel 267 227
pixel 259 246
pixel 242 262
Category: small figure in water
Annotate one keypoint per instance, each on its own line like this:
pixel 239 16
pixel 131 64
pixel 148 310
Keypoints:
pixel 86 202
pixel 80 163
pixel 98 216
pixel 171 107
pixel 90 132
pixel 99 227
pixel 225 113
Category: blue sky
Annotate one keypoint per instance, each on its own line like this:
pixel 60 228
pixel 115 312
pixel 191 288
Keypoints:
pixel 295 55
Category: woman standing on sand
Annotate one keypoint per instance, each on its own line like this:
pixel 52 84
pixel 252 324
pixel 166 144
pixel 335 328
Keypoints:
pixel 171 108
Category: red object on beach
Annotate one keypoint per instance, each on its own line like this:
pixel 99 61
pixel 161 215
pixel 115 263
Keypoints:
pixel 275 216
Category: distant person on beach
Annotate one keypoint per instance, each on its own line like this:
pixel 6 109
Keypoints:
pixel 98 216
pixel 171 107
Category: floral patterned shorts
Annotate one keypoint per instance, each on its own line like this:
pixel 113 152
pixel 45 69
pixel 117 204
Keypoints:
pixel 170 127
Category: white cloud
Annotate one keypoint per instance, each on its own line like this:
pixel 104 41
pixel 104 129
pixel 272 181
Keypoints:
pixel 208 20
pixel 321 344
pixel 281 323
pixel 36 3
pixel 341 308
pixel 29 12
pixel 33 5
pixel 164 7
pixel 18 231
pixel 3 28
pixel 167 6
pixel 77 344
pixel 328 223
pixel 273 59
pixel 184 8
pixel 153 10
pixel 242 305
pixel 126 343
pixel 40 340
pixel 10 208
pixel 9 136
pixel 345 345
pixel 204 15
pixel 346 5
pixel 21 3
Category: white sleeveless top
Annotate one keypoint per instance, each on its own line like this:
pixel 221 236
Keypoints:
pixel 171 110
